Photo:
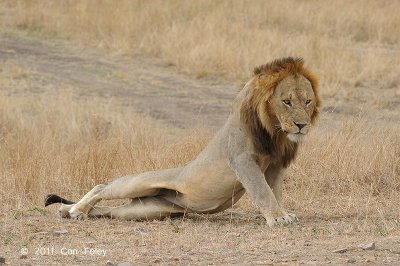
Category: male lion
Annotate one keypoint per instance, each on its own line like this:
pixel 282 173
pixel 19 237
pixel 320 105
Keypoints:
pixel 270 116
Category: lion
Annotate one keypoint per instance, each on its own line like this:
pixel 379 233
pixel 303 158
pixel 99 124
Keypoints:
pixel 270 117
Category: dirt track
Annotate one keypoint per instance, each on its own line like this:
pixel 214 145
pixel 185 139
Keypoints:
pixel 228 238
pixel 144 83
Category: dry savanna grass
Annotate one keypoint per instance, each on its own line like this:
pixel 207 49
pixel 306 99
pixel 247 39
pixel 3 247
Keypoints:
pixel 64 145
pixel 353 43
pixel 348 177
pixel 344 185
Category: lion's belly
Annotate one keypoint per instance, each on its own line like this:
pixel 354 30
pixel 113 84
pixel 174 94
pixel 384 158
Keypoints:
pixel 210 189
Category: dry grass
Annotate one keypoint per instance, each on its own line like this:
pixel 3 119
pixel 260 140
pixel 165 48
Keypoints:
pixel 352 43
pixel 347 172
pixel 65 145
pixel 348 178
pixel 353 170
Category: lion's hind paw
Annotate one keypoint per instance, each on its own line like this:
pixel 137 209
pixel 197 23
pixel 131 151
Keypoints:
pixel 76 214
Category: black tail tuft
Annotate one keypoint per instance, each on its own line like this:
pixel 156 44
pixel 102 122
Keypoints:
pixel 52 198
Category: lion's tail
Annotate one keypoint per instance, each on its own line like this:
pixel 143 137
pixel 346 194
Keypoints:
pixel 52 198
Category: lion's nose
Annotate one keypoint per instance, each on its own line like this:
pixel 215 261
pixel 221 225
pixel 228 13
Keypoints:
pixel 300 126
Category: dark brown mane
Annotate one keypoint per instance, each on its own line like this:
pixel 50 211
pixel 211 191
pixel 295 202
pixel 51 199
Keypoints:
pixel 278 147
pixel 260 121
pixel 289 65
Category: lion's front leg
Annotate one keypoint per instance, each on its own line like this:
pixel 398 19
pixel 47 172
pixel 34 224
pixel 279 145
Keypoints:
pixel 253 180
pixel 274 178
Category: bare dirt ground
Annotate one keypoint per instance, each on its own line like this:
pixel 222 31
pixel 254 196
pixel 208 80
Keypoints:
pixel 237 236
pixel 147 84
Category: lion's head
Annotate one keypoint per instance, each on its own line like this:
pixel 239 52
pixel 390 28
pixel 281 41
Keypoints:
pixel 281 106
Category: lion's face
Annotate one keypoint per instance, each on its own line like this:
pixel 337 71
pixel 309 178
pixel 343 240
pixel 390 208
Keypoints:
pixel 293 103
pixel 279 106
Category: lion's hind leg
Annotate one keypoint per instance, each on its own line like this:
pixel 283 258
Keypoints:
pixel 144 185
pixel 148 208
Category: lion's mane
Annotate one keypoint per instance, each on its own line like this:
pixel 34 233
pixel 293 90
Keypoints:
pixel 260 119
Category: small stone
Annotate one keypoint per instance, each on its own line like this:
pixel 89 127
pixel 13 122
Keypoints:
pixel 351 260
pixel 370 259
pixel 142 232
pixel 41 233
pixel 307 243
pixel 340 250
pixel 2 260
pixel 109 263
pixel 367 246
pixel 60 232
pixel 125 264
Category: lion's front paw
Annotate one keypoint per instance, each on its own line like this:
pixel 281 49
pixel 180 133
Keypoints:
pixel 283 220
pixel 76 214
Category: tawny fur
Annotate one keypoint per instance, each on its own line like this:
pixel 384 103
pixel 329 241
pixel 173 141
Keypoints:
pixel 270 115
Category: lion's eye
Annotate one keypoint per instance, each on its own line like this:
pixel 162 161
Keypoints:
pixel 308 102
pixel 287 102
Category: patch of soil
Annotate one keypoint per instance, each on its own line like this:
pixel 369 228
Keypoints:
pixel 147 84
